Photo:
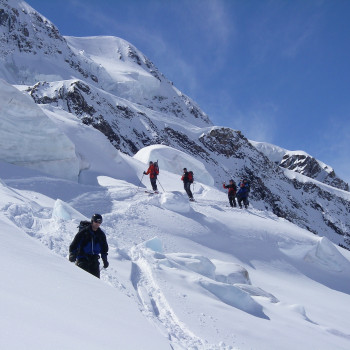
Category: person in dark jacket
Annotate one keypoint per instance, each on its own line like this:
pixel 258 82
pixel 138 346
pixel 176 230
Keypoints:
pixel 87 246
pixel 187 180
pixel 232 189
pixel 243 192
pixel 153 173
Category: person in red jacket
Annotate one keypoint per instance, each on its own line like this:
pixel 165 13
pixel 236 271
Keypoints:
pixel 153 173
pixel 232 189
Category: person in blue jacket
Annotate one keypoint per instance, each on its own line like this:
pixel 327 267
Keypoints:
pixel 87 246
pixel 243 193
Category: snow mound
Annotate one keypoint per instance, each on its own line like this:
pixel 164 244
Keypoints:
pixel 327 255
pixel 154 244
pixel 196 263
pixel 175 201
pixel 64 211
pixel 234 297
pixel 174 161
pixel 257 292
pixel 230 273
pixel 29 138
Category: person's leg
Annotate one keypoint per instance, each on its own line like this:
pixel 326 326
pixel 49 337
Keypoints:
pixel 154 184
pixel 83 264
pixel 90 265
pixel 188 189
pixel 230 199
pixel 246 202
pixel 95 268
pixel 239 199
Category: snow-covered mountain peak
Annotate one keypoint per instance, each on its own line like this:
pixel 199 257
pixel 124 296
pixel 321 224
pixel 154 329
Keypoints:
pixel 301 162
pixel 131 75
pixel 273 152
pixel 33 50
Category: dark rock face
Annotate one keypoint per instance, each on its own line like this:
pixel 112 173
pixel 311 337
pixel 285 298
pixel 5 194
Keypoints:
pixel 309 166
pixel 225 142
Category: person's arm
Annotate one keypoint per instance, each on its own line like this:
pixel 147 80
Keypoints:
pixel 148 171
pixel 224 186
pixel 104 250
pixel 73 248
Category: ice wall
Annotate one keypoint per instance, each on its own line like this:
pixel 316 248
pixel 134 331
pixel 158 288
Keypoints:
pixel 29 138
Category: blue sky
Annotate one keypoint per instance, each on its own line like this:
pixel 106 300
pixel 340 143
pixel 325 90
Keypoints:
pixel 278 70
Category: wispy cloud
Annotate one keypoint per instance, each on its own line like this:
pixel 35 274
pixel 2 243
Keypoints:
pixel 213 18
pixel 259 123
pixel 215 21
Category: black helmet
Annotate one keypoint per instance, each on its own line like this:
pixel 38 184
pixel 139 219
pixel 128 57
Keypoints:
pixel 150 162
pixel 231 180
pixel 185 169
pixel 97 218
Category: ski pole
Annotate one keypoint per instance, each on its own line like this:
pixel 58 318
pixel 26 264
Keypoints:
pixel 161 185
pixel 140 182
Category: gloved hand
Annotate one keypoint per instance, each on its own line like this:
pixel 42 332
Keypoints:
pixel 144 173
pixel 72 257
pixel 105 263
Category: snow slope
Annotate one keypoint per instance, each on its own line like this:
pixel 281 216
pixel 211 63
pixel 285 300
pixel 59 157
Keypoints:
pixel 45 303
pixel 189 276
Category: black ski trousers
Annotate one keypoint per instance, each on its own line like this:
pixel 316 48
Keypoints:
pixel 154 183
pixel 232 201
pixel 245 201
pixel 187 187
pixel 90 264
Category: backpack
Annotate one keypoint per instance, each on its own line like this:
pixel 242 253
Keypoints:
pixel 156 167
pixel 83 224
pixel 190 177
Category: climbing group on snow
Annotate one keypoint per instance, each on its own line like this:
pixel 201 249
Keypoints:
pixel 242 193
pixel 90 244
